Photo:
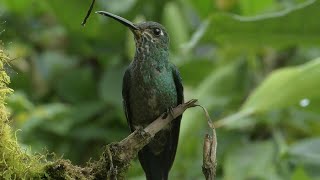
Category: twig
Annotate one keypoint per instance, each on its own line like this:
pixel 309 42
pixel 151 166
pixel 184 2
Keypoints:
pixel 209 157
pixel 141 137
pixel 88 13
pixel 161 122
pixel 209 150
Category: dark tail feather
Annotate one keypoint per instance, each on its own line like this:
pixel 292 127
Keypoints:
pixel 154 166
pixel 157 167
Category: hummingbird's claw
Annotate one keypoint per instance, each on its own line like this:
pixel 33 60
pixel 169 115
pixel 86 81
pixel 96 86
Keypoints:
pixel 168 112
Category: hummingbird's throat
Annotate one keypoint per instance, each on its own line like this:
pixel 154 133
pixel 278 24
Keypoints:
pixel 145 43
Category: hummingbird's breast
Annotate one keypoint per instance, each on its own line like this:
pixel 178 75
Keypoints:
pixel 152 93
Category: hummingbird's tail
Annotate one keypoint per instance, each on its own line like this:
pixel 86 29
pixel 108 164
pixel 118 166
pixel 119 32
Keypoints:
pixel 154 166
pixel 157 166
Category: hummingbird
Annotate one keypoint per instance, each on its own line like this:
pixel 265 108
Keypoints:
pixel 152 86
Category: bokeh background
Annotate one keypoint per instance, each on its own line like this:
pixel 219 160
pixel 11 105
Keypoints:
pixel 253 64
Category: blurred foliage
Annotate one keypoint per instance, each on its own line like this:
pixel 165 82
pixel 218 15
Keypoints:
pixel 253 64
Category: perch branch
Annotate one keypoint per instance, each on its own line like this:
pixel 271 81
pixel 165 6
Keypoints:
pixel 141 137
pixel 117 156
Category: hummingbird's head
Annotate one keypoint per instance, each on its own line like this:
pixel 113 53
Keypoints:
pixel 147 35
pixel 152 34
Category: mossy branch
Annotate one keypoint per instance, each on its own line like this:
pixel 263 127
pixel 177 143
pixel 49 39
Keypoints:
pixel 117 156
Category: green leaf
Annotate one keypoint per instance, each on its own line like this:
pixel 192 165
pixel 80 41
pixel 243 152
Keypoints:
pixel 249 7
pixel 300 174
pixel 175 25
pixel 306 151
pixel 304 119
pixel 251 161
pixel 203 8
pixel 286 87
pixel 295 26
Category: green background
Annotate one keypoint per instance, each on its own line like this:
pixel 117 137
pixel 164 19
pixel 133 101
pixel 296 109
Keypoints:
pixel 255 65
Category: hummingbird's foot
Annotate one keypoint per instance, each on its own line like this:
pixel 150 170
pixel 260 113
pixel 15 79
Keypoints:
pixel 168 112
pixel 135 127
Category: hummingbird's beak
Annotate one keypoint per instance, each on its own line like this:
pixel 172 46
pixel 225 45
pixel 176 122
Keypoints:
pixel 122 20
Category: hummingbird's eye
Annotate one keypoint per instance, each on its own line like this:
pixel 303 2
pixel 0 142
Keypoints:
pixel 157 31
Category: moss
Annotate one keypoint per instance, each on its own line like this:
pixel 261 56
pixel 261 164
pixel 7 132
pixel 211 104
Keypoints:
pixel 63 169
pixel 15 163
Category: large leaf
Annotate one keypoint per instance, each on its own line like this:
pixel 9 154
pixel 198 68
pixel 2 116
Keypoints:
pixel 251 161
pixel 306 151
pixel 249 7
pixel 296 26
pixel 286 87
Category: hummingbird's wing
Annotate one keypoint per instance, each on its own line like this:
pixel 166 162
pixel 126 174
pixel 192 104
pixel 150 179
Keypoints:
pixel 125 96
pixel 174 136
pixel 178 82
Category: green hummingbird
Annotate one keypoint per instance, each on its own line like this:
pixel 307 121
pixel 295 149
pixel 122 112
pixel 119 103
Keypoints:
pixel 151 86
